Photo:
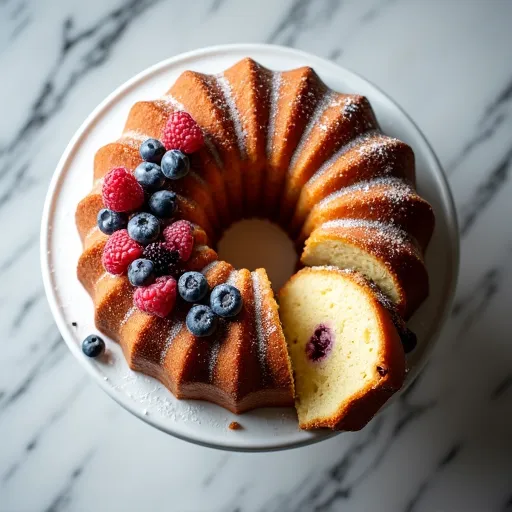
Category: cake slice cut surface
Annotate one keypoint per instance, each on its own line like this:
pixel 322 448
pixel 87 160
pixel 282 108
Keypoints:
pixel 345 350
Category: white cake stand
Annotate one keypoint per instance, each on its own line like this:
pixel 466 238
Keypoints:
pixel 201 422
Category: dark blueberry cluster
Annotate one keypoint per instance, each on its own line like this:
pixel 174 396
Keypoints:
pixel 225 301
pixel 151 175
pixel 145 225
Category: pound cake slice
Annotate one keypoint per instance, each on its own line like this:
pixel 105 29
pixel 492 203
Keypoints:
pixel 346 352
pixel 383 253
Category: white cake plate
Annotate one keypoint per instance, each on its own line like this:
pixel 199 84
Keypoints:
pixel 201 422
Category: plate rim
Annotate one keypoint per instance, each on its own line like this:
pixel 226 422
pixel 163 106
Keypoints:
pixel 58 175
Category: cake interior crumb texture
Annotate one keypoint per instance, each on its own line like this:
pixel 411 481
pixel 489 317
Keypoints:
pixel 351 366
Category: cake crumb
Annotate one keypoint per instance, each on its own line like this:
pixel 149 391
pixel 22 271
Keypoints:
pixel 74 324
pixel 234 425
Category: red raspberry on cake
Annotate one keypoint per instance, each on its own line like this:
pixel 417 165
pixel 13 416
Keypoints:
pixel 179 237
pixel 183 133
pixel 158 298
pixel 121 191
pixel 119 251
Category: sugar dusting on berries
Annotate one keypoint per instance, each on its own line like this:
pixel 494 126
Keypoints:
pixel 158 298
pixel 164 260
pixel 179 237
pixel 121 192
pixel 183 133
pixel 119 251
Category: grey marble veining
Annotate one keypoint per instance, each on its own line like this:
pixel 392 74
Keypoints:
pixel 446 444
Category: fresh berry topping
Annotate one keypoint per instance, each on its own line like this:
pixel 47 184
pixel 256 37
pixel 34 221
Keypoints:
pixel 141 272
pixel 193 286
pixel 183 133
pixel 158 298
pixel 119 251
pixel 409 340
pixel 201 321
pixel 163 204
pixel 179 237
pixel 320 343
pixel 110 221
pixel 175 164
pixel 164 260
pixel 121 191
pixel 152 150
pixel 226 300
pixel 149 176
pixel 144 228
pixel 93 346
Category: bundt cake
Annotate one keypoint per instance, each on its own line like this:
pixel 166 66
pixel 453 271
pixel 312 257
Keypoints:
pixel 251 142
pixel 345 350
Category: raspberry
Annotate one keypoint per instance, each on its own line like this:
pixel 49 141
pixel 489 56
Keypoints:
pixel 121 191
pixel 119 251
pixel 179 237
pixel 163 260
pixel 157 298
pixel 183 133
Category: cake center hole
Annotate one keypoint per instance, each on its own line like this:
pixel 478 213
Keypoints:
pixel 256 244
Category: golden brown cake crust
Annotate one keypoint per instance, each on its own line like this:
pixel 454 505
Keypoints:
pixel 277 145
pixel 392 247
pixel 391 201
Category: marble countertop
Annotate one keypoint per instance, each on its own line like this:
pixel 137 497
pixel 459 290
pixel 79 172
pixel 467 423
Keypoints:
pixel 446 444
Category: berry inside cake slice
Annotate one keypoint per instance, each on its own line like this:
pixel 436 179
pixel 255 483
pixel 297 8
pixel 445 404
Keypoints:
pixel 346 353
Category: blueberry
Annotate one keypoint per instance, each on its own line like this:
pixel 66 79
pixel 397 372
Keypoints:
pixel 141 272
pixel 192 286
pixel 110 221
pixel 150 176
pixel 175 164
pixel 226 300
pixel 409 340
pixel 163 204
pixel 201 321
pixel 93 346
pixel 152 150
pixel 144 228
pixel 320 343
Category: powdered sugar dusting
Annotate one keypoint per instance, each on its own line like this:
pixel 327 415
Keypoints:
pixel 127 315
pixel 241 135
pixel 386 234
pixel 212 362
pixel 133 385
pixel 173 332
pixel 260 330
pixel 209 267
pixel 395 189
pixel 359 140
pixel 320 108
pixel 275 87
pixel 232 278
pixel 133 138
pixel 350 107
pixel 173 102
